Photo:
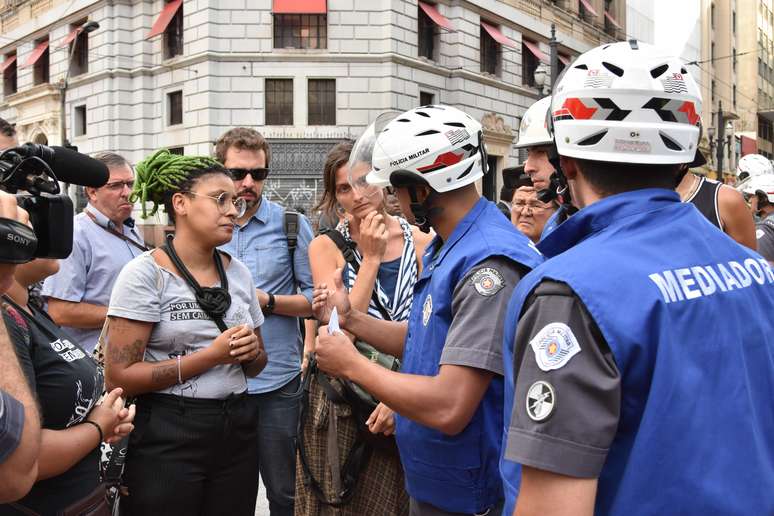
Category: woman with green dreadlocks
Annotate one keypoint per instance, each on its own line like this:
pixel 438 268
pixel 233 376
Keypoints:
pixel 183 335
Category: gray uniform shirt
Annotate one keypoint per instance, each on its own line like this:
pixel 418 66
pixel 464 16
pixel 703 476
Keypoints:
pixel 144 291
pixel 475 337
pixel 764 232
pixel 563 419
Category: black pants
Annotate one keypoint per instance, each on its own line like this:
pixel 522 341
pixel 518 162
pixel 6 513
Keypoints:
pixel 192 457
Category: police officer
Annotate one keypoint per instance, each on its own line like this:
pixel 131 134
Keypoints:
pixel 760 191
pixel 533 136
pixel 449 392
pixel 644 350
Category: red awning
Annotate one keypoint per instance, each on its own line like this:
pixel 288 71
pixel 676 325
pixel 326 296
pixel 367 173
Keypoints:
pixel 161 23
pixel 35 55
pixel 563 59
pixel 612 20
pixel 437 17
pixel 536 51
pixel 499 36
pixel 299 6
pixel 70 37
pixel 588 7
pixel 8 62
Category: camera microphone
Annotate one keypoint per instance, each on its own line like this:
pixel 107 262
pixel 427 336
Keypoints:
pixel 76 168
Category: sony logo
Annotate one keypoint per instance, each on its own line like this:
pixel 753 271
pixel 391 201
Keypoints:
pixel 18 239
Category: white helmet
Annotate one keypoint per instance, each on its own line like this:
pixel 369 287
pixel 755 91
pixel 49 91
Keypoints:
pixel 764 183
pixel 533 131
pixel 627 102
pixel 439 145
pixel 752 165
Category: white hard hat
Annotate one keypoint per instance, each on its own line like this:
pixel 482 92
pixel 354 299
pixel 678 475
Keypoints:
pixel 627 102
pixel 752 165
pixel 764 183
pixel 438 145
pixel 533 131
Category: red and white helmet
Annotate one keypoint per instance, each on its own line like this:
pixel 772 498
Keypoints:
pixel 764 184
pixel 439 145
pixel 752 165
pixel 533 130
pixel 627 102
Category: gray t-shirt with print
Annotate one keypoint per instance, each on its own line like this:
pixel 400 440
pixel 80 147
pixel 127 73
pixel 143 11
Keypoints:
pixel 144 291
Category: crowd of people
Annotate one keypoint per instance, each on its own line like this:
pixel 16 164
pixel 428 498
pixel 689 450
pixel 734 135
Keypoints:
pixel 606 347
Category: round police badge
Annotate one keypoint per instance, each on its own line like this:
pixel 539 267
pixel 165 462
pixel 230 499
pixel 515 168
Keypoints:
pixel 427 309
pixel 541 400
pixel 554 346
pixel 488 281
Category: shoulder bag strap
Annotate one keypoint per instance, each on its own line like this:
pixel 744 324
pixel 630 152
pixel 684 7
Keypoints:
pixel 141 247
pixel 347 250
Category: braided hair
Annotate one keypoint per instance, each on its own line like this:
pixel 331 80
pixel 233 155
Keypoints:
pixel 163 174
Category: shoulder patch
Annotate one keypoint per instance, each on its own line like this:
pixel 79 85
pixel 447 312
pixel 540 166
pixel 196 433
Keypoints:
pixel 541 400
pixel 488 281
pixel 554 346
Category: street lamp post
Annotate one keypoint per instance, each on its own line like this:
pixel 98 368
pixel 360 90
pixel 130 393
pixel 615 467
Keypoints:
pixel 86 28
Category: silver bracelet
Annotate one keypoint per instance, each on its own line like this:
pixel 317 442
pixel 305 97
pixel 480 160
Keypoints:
pixel 179 375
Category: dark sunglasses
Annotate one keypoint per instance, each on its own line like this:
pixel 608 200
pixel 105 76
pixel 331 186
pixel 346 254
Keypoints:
pixel 258 174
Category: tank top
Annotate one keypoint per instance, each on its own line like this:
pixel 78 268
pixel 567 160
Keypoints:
pixel 705 198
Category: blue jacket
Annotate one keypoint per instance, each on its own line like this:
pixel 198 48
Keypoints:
pixel 687 313
pixel 456 473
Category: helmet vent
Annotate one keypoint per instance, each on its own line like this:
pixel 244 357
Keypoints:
pixel 613 68
pixel 670 143
pixel 467 171
pixel 593 139
pixel 428 132
pixel 658 71
pixel 403 120
pixel 454 124
pixel 422 113
pixel 683 71
pixel 633 44
pixel 581 67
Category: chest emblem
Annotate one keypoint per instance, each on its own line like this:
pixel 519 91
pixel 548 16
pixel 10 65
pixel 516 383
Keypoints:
pixel 554 346
pixel 541 400
pixel 427 309
pixel 488 281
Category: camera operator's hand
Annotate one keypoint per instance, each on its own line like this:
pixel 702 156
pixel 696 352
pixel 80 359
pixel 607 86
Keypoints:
pixel 10 210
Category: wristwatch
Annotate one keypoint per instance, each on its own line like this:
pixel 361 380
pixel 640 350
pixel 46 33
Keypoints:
pixel 269 308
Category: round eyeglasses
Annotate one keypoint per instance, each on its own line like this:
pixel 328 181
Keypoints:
pixel 224 201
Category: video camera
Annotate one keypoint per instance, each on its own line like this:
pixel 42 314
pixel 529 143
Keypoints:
pixel 36 170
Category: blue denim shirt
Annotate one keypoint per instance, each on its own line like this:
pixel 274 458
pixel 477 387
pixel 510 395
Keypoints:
pixel 262 245
pixel 88 274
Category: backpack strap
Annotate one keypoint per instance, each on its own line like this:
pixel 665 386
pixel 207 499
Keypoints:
pixel 291 233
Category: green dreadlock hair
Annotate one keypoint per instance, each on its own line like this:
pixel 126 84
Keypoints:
pixel 163 172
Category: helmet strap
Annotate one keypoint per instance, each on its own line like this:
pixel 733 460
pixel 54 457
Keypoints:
pixel 557 188
pixel 420 210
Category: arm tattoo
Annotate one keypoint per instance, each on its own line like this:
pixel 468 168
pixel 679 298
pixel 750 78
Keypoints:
pixel 126 354
pixel 164 374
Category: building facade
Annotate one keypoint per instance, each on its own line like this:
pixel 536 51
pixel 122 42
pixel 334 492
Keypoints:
pixel 306 73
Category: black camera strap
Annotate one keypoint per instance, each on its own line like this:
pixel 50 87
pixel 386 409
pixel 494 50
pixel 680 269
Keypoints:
pixel 18 242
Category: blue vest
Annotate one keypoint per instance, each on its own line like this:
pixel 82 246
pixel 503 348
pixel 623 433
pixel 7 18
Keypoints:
pixel 553 221
pixel 687 313
pixel 456 473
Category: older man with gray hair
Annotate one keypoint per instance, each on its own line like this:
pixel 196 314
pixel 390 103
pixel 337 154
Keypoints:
pixel 104 240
